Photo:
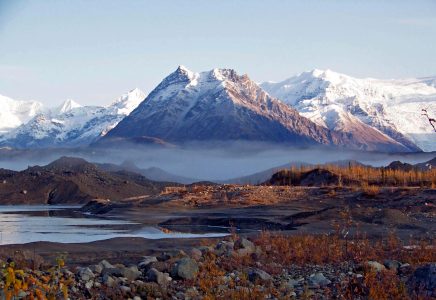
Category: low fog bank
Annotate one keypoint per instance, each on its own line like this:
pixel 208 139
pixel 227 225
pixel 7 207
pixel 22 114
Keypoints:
pixel 214 162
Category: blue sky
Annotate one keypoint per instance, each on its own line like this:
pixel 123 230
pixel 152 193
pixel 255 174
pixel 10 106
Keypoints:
pixel 93 51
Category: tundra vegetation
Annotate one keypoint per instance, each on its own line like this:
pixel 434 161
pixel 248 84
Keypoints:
pixel 269 265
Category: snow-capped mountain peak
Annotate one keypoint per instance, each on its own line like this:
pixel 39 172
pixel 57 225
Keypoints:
pixel 67 106
pixel 185 71
pixel 69 124
pixel 391 106
pixel 127 102
pixel 220 105
pixel 13 113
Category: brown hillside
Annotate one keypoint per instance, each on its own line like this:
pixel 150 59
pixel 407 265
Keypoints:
pixel 71 180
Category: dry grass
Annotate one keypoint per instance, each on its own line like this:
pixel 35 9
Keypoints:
pixel 366 175
pixel 278 248
pixel 279 251
pixel 232 195
pixel 370 190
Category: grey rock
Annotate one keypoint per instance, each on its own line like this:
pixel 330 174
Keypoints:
pixel 376 266
pixel 131 273
pixel 244 243
pixel 405 269
pixel 392 265
pixel 244 251
pixel 244 247
pixel 292 283
pixel 205 249
pixel 86 274
pixel 67 273
pixel 196 253
pixel 109 280
pixel 160 278
pixel 164 256
pixel 21 294
pixel 147 261
pixel 224 248
pixel 89 284
pixel 257 274
pixel 106 265
pixel 185 268
pixel 423 280
pixel 318 280
pixel 96 268
pixel 112 271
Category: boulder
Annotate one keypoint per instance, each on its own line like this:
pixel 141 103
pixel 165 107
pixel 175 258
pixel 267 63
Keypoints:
pixel 118 272
pixel 423 281
pixel 105 265
pixel 160 278
pixel 244 252
pixel 164 256
pixel 258 275
pixel 185 268
pixel 375 266
pixel 405 269
pixel 224 248
pixel 131 273
pixel 85 274
pixel 318 280
pixel 109 281
pixel 147 261
pixel 392 265
pixel 89 284
pixel 244 247
pixel 97 269
pixel 205 249
pixel 244 243
pixel 196 253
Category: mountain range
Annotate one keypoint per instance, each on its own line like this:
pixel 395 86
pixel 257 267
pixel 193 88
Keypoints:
pixel 340 102
pixel 312 108
pixel 68 125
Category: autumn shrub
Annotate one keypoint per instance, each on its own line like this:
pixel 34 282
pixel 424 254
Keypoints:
pixel 51 284
pixel 321 249
pixel 370 190
pixel 370 176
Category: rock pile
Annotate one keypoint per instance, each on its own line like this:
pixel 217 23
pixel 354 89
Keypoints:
pixel 230 268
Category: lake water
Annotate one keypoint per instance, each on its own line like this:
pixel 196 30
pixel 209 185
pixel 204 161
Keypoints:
pixel 31 223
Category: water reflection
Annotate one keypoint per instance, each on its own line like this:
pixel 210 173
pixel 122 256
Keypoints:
pixel 24 224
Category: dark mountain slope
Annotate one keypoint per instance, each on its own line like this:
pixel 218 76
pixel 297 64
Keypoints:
pixel 72 180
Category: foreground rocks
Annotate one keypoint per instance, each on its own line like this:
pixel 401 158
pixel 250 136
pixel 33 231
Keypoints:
pixel 423 280
pixel 234 268
pixel 185 268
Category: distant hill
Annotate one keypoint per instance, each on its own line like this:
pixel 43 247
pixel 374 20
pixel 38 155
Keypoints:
pixel 152 173
pixel 355 174
pixel 431 164
pixel 72 180
pixel 262 176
